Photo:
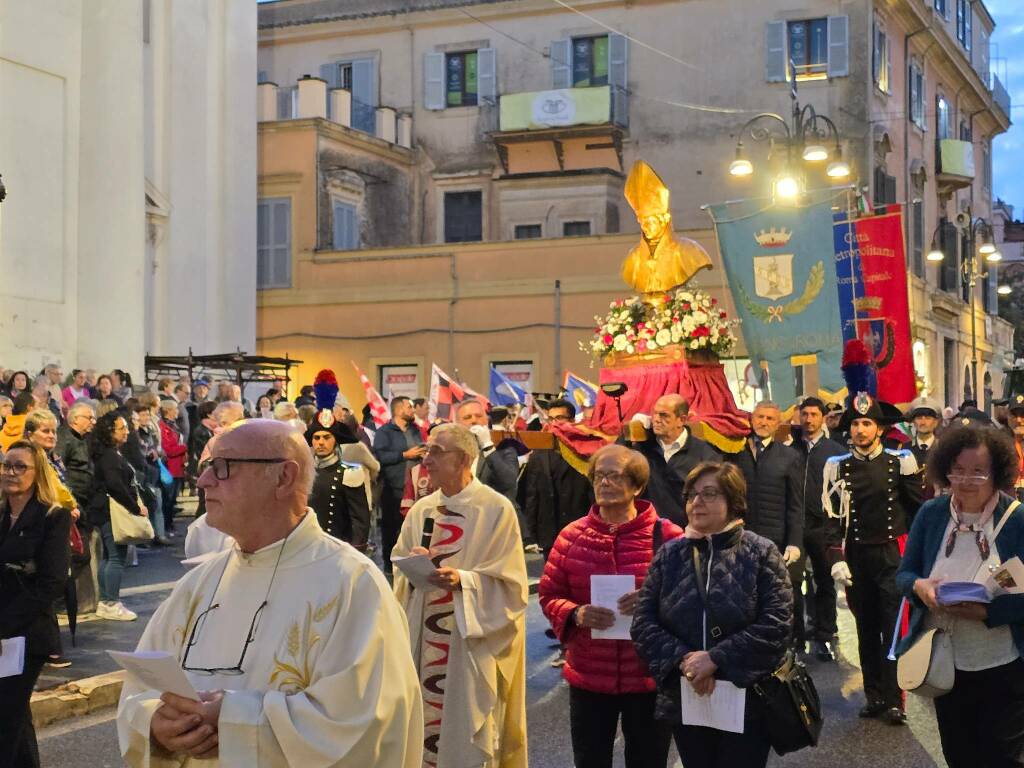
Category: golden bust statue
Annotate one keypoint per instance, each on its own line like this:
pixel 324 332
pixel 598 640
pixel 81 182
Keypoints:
pixel 659 262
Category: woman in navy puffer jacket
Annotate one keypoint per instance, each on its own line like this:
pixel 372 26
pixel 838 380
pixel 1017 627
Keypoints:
pixel 606 679
pixel 750 604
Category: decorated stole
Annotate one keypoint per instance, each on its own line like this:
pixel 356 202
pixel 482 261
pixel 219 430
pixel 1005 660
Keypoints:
pixel 438 624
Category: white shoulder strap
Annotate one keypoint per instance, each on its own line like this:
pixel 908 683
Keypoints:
pixel 1004 518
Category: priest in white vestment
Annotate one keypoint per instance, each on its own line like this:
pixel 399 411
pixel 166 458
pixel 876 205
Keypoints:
pixel 468 629
pixel 292 638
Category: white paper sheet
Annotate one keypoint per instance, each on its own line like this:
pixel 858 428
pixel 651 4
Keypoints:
pixel 12 656
pixel 722 710
pixel 157 670
pixel 1007 579
pixel 605 592
pixel 417 569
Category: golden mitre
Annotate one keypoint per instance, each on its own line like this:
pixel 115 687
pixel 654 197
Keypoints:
pixel 660 261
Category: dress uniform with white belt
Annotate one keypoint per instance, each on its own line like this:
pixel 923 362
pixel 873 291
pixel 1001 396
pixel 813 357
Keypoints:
pixel 338 497
pixel 870 496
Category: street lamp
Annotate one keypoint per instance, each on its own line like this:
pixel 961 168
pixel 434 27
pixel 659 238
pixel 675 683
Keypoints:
pixel 807 138
pixel 975 230
pixel 1004 289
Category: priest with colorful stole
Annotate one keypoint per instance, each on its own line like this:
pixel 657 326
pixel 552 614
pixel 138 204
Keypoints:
pixel 468 627
pixel 292 639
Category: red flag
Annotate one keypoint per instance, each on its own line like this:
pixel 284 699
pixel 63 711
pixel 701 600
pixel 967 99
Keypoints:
pixel 445 393
pixel 378 408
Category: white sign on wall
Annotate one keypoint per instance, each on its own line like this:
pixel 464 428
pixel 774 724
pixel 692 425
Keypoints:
pixel 399 381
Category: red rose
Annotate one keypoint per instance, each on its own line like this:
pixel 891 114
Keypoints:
pixel 722 315
pixel 713 301
pixel 608 338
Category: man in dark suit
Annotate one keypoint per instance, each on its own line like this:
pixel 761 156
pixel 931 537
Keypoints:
pixel 814 449
pixel 775 492
pixel 671 451
pixel 556 494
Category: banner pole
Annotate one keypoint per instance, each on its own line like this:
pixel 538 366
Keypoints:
pixel 852 242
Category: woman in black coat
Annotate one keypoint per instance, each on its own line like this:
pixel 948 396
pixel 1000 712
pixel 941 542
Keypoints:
pixel 116 481
pixel 34 560
pixel 738 634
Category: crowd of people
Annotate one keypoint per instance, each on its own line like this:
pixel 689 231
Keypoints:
pixel 734 561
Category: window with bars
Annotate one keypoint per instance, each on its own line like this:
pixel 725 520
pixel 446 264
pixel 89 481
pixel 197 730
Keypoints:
pixel 527 231
pixel 575 228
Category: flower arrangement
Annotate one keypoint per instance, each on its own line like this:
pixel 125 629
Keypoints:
pixel 639 325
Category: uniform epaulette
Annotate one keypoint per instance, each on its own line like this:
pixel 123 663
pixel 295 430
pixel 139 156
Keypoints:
pixel 908 464
pixel 350 464
pixel 837 459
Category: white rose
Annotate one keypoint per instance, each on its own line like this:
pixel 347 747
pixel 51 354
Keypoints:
pixel 700 317
pixel 652 344
pixel 619 343
pixel 689 324
pixel 694 344
pixel 664 336
pixel 677 334
pixel 630 349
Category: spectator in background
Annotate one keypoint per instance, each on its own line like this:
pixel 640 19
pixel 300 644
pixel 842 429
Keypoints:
pixel 264 407
pixel 115 478
pixel 175 451
pixel 421 416
pixel 105 390
pixel 146 438
pixel 90 381
pixel 15 423
pixel 121 382
pixel 73 450
pixel 18 383
pixel 288 413
pixel 182 394
pixel 497 467
pixel 43 399
pixel 306 396
pixel 236 396
pixel 77 389
pixel 201 434
pixel 6 407
pixel 200 391
pixel 306 413
pixel 54 379
pixel 620 535
pixel 398 446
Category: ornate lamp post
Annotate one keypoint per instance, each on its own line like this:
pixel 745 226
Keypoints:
pixel 808 137
pixel 978 233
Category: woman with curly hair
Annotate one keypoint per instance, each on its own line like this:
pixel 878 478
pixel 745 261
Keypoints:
pixel 954 538
pixel 116 478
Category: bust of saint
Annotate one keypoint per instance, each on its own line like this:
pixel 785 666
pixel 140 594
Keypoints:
pixel 660 261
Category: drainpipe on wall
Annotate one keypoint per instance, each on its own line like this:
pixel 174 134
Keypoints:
pixel 906 131
pixel 451 312
pixel 558 332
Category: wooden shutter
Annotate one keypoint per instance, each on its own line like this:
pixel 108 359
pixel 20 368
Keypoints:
pixel 561 63
pixel 330 73
pixel 433 81
pixel 618 61
pixel 346 227
pixel 876 52
pixel 274 243
pixel 364 95
pixel 912 92
pixel 838 46
pixel 775 52
pixel 487 76
pixel 286 98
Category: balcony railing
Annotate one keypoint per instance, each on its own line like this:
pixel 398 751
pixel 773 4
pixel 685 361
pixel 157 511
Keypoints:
pixel 1000 95
pixel 564 108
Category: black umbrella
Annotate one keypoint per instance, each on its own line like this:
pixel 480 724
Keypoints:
pixel 71 605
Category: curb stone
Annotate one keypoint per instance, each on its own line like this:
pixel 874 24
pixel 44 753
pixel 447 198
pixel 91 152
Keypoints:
pixel 76 698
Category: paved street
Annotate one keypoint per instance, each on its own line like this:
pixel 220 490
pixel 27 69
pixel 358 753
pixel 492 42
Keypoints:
pixel 847 741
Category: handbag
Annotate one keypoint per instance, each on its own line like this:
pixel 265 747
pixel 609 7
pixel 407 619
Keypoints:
pixel 166 478
pixel 128 528
pixel 927 668
pixel 790 701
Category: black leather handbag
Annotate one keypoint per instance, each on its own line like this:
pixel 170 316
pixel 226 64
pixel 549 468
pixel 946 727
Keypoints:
pixel 790 702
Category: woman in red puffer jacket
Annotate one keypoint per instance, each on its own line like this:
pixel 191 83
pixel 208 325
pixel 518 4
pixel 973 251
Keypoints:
pixel 606 678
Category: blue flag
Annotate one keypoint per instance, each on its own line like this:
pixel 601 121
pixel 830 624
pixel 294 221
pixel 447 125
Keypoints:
pixel 579 391
pixel 780 267
pixel 503 391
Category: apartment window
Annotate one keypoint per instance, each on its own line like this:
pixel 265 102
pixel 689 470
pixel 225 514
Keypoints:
pixel 463 216
pixel 963 24
pixel 942 118
pixel 885 187
pixel 965 131
pixel 949 367
pixel 461 79
pixel 346 226
pixel 986 166
pixel 575 228
pixel 274 242
pixel 941 7
pixel 358 77
pixel 916 90
pixel 808 46
pixel 881 62
pixel 527 231
pixel 287 102
pixel 917 237
pixel 949 271
pixel 589 61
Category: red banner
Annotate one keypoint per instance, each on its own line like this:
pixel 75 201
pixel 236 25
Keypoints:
pixel 877 309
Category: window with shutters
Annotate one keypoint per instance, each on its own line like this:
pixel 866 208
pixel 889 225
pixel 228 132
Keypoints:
pixel 346 226
pixel 885 188
pixel 881 61
pixel 917 237
pixel 589 61
pixel 575 228
pixel 460 79
pixel 358 77
pixel 916 90
pixel 527 231
pixel 808 48
pixel 463 216
pixel 949 271
pixel 274 242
